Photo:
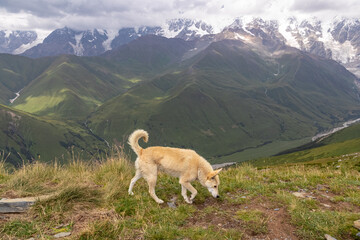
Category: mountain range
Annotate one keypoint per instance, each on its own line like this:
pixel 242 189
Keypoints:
pixel 242 93
pixel 337 39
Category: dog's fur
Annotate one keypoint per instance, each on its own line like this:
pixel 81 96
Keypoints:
pixel 185 164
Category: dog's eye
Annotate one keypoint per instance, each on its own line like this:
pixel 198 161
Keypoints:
pixel 214 186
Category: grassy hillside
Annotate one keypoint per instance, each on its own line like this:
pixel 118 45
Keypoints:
pixel 24 137
pixel 71 88
pixel 91 202
pixel 346 141
pixel 230 99
pixel 148 56
pixel 16 72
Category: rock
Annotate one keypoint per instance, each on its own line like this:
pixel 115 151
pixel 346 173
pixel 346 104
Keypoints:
pixel 62 226
pixel 276 209
pixel 62 234
pixel 299 194
pixel 326 205
pixel 357 224
pixel 18 205
pixel 328 237
pixel 14 207
pixel 171 204
pixel 358 234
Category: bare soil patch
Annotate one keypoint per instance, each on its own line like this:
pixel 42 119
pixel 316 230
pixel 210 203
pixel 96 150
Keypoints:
pixel 224 217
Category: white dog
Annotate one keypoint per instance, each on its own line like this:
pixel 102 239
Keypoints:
pixel 185 164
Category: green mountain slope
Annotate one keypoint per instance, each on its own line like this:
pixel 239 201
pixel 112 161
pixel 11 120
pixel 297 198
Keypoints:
pixel 24 137
pixel 342 143
pixel 231 98
pixel 71 88
pixel 16 72
pixel 148 56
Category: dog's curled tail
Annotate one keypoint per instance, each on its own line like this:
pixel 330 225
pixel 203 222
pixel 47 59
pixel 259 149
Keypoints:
pixel 134 140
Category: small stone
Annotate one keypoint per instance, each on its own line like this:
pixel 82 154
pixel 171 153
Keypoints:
pixel 62 234
pixel 357 224
pixel 276 209
pixel 338 166
pixel 246 207
pixel 171 204
pixel 299 194
pixel 31 238
pixel 243 196
pixel 358 234
pixel 328 237
pixel 326 205
pixel 61 226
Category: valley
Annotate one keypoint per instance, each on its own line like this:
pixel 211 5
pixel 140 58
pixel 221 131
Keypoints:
pixel 234 96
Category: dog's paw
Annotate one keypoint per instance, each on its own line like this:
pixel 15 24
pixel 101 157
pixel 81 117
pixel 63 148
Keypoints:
pixel 131 193
pixel 160 201
pixel 188 201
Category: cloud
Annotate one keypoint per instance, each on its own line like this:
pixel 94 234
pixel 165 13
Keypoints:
pixel 310 6
pixel 110 14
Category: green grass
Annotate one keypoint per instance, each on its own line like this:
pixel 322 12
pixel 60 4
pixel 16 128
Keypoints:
pixel 91 201
pixel 18 228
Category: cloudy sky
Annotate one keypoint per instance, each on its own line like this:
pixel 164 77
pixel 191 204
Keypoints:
pixel 48 15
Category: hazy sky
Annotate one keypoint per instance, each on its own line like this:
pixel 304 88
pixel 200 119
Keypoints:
pixel 113 14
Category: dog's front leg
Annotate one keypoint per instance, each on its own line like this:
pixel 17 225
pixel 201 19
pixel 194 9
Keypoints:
pixel 183 193
pixel 187 186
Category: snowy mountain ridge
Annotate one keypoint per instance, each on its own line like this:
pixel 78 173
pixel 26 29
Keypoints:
pixel 337 39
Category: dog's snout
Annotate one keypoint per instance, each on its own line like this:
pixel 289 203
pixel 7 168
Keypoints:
pixel 217 196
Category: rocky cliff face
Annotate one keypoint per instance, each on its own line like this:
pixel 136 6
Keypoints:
pixel 96 42
pixel 14 41
pixel 338 39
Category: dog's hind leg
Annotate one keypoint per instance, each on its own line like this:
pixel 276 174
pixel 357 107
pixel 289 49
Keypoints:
pixel 150 175
pixel 187 186
pixel 152 182
pixel 137 176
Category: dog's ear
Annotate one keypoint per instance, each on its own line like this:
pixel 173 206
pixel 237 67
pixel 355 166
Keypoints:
pixel 213 173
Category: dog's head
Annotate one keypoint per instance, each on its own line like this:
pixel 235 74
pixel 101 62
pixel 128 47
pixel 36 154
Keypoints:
pixel 212 183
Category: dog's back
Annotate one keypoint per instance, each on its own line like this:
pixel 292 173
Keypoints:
pixel 174 161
